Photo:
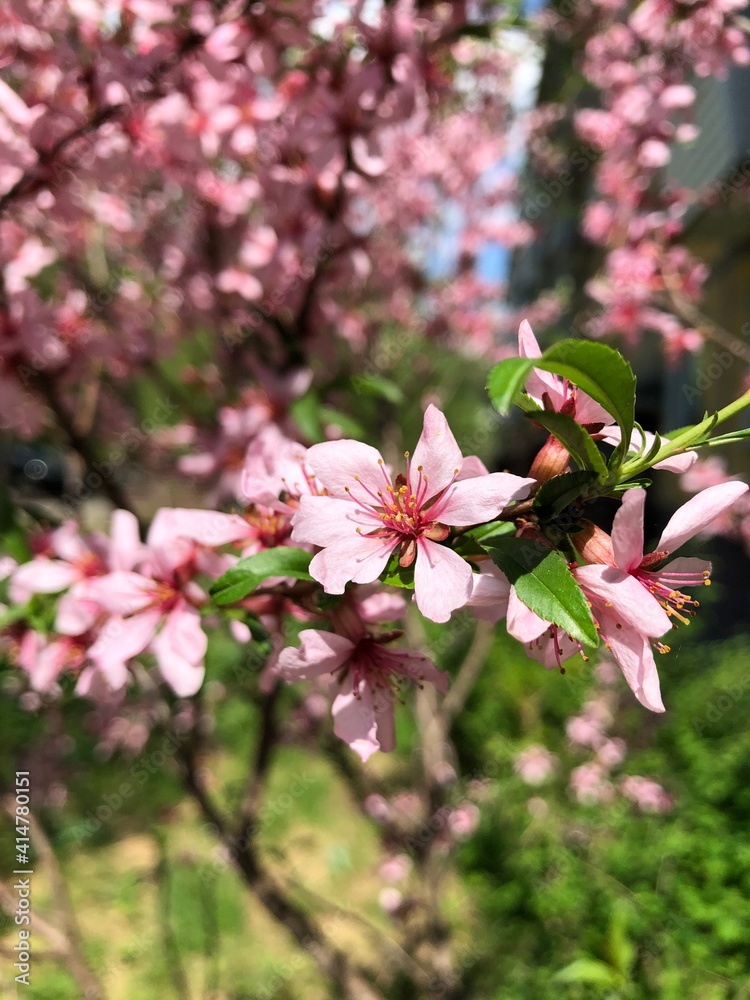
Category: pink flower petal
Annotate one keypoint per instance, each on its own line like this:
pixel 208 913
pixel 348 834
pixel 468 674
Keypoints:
pixel 588 411
pixel 354 720
pixel 324 520
pixel 442 580
pixel 353 558
pixel 436 452
pixel 123 638
pixel 51 660
pixel 636 660
pixel 472 467
pixel 180 648
pixel 382 607
pixel 528 345
pixel 678 463
pixel 41 576
pixel 319 653
pixel 126 546
pixel 68 544
pixel 339 464
pixel 474 501
pixel 698 513
pixel 206 527
pixel 123 593
pixel 632 605
pixel 490 592
pixel 76 611
pixel 523 623
pixel 627 530
pixel 539 382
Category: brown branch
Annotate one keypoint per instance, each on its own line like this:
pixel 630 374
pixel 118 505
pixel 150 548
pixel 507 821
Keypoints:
pixel 80 442
pixel 349 982
pixel 259 767
pixel 468 675
pixel 40 173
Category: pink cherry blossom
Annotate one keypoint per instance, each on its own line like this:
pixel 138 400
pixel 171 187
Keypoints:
pixel 663 581
pixel 155 609
pixel 552 392
pixel 367 515
pixel 647 794
pixel 633 599
pixel 368 674
pixel 534 764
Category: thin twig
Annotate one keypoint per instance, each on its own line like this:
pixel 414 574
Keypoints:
pixel 259 767
pixel 468 675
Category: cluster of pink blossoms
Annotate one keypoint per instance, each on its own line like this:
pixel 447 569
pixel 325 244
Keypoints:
pixel 361 522
pixel 642 60
pixel 593 781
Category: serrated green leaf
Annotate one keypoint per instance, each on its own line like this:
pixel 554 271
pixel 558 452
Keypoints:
pixel 544 583
pixel 601 372
pixel 574 438
pixel 506 380
pixel 557 493
pixel 244 577
pixel 395 575
pixel 595 368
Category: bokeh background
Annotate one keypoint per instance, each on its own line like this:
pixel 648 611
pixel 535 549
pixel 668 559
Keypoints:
pixel 572 844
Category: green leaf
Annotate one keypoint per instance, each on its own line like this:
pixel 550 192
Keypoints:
pixel 557 493
pixel 243 578
pixel 349 426
pixel 587 970
pixel 729 438
pixel 574 438
pixel 14 614
pixel 397 576
pixel 376 385
pixel 601 372
pixel 492 529
pixel 506 380
pixel 545 584
pixel 595 368
pixel 305 412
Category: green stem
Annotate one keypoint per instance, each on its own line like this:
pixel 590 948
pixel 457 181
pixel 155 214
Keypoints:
pixel 686 440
